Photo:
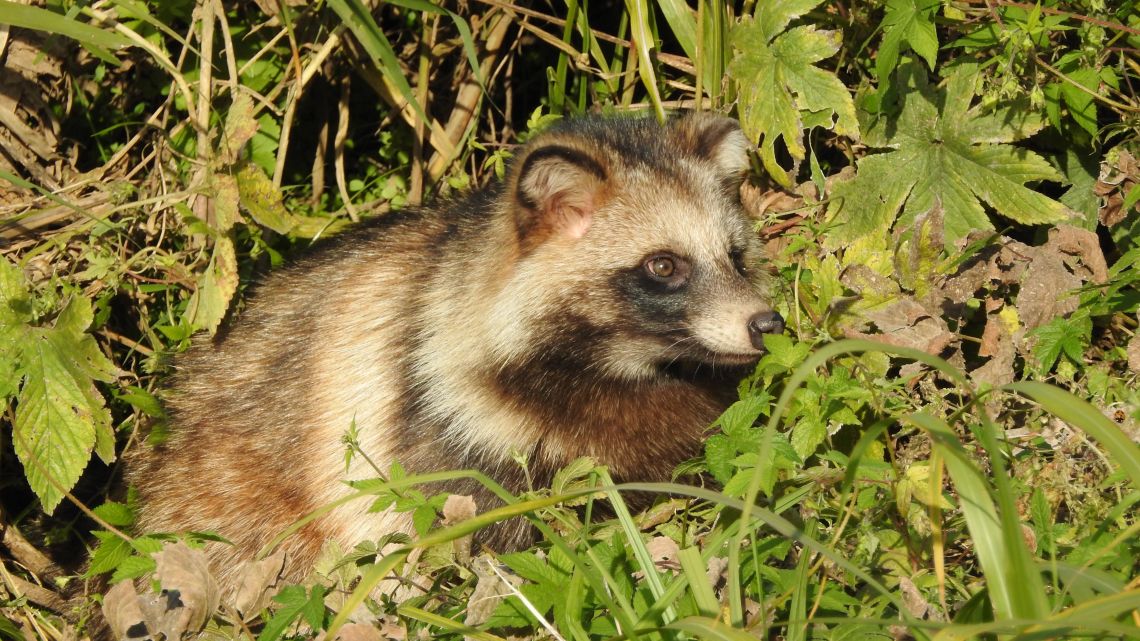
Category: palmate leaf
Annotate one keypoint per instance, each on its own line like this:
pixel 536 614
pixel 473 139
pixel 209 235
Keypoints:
pixel 779 85
pixel 60 415
pixel 949 154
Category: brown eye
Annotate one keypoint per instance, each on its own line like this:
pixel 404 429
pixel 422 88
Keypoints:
pixel 661 266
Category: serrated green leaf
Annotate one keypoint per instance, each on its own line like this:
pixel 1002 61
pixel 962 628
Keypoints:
pixel 1066 336
pixel 117 514
pixel 59 412
pixel 208 304
pixel 15 301
pixel 779 85
pixel 293 600
pixel 773 17
pixel 15 314
pixel 531 568
pixel 1081 103
pixel 109 554
pixel 806 435
pixel 909 23
pixel 944 157
pixel 262 200
pixel 133 567
pixel 742 414
pixel 719 453
pixel 422 518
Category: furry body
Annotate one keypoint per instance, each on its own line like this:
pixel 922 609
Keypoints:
pixel 598 303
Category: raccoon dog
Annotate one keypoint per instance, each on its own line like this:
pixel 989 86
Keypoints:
pixel 601 302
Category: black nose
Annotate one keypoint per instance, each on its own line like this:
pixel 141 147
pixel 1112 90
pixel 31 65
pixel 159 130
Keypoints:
pixel 764 323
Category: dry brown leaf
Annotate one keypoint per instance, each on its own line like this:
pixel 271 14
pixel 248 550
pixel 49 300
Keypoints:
pixel 1083 247
pixel 1115 181
pixel 901 321
pixel 190 591
pixel 359 632
pixel 458 508
pixel 912 599
pixel 490 590
pixel 393 630
pixel 664 550
pixel 998 346
pixel 1133 351
pixel 257 580
pixel 123 612
pixel 718 565
pixel 1041 297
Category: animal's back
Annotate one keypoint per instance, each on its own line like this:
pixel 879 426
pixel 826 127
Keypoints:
pixel 259 412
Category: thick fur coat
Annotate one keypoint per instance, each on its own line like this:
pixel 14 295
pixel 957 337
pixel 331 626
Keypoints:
pixel 601 302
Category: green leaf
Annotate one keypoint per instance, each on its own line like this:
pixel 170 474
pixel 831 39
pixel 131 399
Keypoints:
pixel 95 39
pixel 295 604
pixel 9 630
pixel 1081 103
pixel 779 86
pixel 807 434
pixel 60 415
pixel 1066 336
pixel 15 314
pixel 944 153
pixel 208 304
pixel 109 554
pixel 773 17
pixel 117 514
pixel 907 23
pixel 262 200
pixel 719 453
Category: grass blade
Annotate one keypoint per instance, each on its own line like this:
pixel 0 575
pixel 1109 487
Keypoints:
pixel 643 41
pixel 696 571
pixel 1014 581
pixel 358 19
pixel 97 40
pixel 1082 414
pixel 681 21
pixel 706 628
pixel 640 552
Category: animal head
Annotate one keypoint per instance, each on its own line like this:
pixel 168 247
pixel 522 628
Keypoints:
pixel 632 244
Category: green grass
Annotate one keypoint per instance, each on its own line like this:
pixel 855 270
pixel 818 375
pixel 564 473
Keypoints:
pixel 858 489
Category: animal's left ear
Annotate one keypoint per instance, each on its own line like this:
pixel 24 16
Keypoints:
pixel 715 138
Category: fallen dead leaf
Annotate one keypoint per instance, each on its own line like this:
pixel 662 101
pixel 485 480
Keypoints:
pixel 258 578
pixel 1083 247
pixel 189 591
pixel 998 346
pixel 1117 177
pixel 489 591
pixel 359 632
pixel 459 508
pixel 900 319
pixel 664 550
pixel 1133 351
pixel 912 599
pixel 123 612
pixel 717 567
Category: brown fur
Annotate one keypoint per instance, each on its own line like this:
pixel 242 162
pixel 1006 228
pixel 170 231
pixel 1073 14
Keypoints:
pixel 520 319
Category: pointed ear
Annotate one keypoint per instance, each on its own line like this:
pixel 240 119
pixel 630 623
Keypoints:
pixel 715 138
pixel 558 190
